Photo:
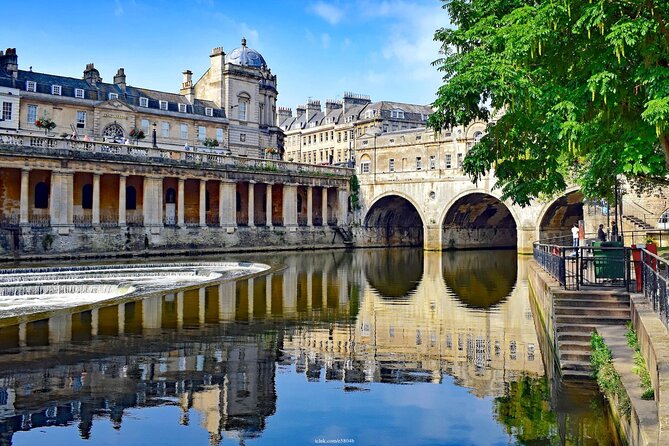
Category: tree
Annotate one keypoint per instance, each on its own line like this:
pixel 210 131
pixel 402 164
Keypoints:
pixel 577 91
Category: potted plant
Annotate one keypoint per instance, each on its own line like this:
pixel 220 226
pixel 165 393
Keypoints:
pixel 210 143
pixel 270 152
pixel 46 124
pixel 137 134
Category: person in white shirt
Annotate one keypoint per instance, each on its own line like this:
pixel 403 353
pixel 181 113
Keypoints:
pixel 574 235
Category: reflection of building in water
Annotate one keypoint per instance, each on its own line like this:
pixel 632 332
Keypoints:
pixel 432 330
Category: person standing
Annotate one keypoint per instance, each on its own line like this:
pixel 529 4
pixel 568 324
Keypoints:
pixel 614 232
pixel 574 235
pixel 601 235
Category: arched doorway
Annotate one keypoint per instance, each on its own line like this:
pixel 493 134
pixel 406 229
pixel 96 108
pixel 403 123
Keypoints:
pixel 113 132
pixel 395 221
pixel 560 216
pixel 479 221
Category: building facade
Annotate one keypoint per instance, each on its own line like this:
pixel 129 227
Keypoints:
pixel 317 136
pixel 231 106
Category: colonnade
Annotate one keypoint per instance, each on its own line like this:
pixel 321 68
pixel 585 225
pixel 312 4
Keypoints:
pixel 63 199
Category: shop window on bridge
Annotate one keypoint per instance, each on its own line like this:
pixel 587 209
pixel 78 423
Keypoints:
pixel 41 195
pixel 130 198
pixel 170 196
pixel 87 196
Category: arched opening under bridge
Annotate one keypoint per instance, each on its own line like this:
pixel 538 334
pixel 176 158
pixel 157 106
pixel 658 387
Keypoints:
pixel 561 215
pixel 395 221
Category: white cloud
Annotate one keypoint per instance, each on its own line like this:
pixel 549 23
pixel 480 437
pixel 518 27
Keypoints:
pixel 325 40
pixel 330 13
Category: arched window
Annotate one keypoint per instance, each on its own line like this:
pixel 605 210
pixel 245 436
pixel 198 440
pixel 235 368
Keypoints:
pixel 299 203
pixel 41 195
pixel 477 136
pixel 170 196
pixel 207 201
pixel 243 101
pixel 87 196
pixel 239 202
pixel 663 221
pixel 130 197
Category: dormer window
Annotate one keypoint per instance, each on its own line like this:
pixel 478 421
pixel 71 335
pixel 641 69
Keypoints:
pixel 208 111
pixel 56 89
pixel 397 114
pixel 79 93
pixel 113 96
pixel 182 108
pixel 31 86
pixel 162 105
pixel 143 102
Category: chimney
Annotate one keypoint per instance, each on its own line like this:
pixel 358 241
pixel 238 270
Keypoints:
pixel 187 88
pixel 217 60
pixel 92 75
pixel 332 104
pixel 9 62
pixel 119 79
pixel 299 110
pixel 283 113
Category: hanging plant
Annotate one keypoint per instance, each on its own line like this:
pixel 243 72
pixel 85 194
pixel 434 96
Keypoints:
pixel 46 124
pixel 137 134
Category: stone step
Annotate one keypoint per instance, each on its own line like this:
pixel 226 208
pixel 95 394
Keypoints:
pixel 574 336
pixel 575 328
pixel 574 355
pixel 591 321
pixel 575 375
pixel 605 302
pixel 571 345
pixel 582 366
pixel 592 311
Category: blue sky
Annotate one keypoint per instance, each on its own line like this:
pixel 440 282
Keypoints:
pixel 318 49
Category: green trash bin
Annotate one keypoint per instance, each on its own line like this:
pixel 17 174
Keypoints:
pixel 609 263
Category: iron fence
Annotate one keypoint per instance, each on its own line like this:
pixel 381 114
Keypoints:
pixel 655 283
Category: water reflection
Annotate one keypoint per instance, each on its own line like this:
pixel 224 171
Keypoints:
pixel 311 351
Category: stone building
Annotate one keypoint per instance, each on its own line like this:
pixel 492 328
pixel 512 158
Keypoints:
pixel 232 103
pixel 317 136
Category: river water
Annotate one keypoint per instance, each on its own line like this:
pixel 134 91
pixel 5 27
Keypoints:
pixel 374 347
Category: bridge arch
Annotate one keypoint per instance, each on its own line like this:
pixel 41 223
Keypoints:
pixel 559 215
pixel 478 219
pixel 397 218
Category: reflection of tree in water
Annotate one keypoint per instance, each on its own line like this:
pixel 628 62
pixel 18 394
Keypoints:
pixel 480 279
pixel 525 411
pixel 394 273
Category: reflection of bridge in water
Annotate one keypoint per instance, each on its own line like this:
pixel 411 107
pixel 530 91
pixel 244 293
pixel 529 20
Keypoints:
pixel 213 349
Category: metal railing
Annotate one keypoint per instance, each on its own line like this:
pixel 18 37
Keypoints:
pixel 655 283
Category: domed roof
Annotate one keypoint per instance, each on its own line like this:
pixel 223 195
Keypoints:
pixel 245 56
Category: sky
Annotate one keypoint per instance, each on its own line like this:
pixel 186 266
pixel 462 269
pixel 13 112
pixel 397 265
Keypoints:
pixel 317 49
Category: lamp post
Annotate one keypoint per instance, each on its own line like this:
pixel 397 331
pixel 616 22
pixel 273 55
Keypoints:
pixel 153 136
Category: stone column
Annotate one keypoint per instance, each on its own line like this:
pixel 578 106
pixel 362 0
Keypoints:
pixel 153 203
pixel 227 204
pixel 310 206
pixel 121 318
pixel 122 179
pixel 96 200
pixel 226 301
pixel 25 200
pixel 251 206
pixel 60 329
pixel 180 203
pixel 342 207
pixel 250 291
pixel 268 206
pixel 324 205
pixel 432 237
pixel 289 205
pixel 202 298
pixel 61 202
pixel 203 202
pixel 23 334
pixel 95 321
pixel 180 309
pixel 152 312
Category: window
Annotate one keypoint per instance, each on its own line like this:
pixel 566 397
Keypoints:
pixel 166 130
pixel 182 108
pixel 208 111
pixel 79 93
pixel 81 119
pixel 338 136
pixel 242 111
pixel 130 198
pixel 419 163
pixel 219 135
pixel 31 86
pixel 56 89
pixel 7 111
pixel 391 164
pixel 419 137
pixel 449 158
pixel 41 195
pixel 32 113
pixel 113 96
pixel 87 196
pixel 351 133
pixel 364 167
pixel 184 131
pixel 459 160
pixel 321 137
pixel 143 102
pixel 162 105
pixel 477 136
pixel 433 161
pixel 145 126
pixel 201 133
pixel 397 114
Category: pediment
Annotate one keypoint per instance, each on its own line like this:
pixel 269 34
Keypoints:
pixel 115 105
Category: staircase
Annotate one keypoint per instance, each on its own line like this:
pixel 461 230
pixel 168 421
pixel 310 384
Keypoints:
pixel 636 221
pixel 346 234
pixel 577 314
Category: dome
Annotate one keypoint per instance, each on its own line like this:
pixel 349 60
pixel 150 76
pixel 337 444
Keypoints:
pixel 245 56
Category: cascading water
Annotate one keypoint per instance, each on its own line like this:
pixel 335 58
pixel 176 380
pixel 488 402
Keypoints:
pixel 30 290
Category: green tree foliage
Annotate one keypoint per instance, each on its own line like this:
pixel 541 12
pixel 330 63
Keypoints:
pixel 582 90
